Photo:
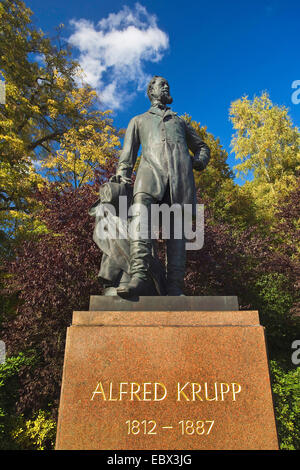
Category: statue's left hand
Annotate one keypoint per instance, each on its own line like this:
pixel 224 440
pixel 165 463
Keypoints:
pixel 197 165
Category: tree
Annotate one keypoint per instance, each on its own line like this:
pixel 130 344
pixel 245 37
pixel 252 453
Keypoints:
pixel 49 119
pixel 286 231
pixel 26 127
pixel 84 149
pixel 39 77
pixel 229 201
pixel 52 275
pixel 268 145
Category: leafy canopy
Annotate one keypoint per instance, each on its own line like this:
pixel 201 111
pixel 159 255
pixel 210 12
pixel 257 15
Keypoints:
pixel 268 146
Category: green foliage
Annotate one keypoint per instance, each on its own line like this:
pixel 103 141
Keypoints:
pixel 37 433
pixel 274 294
pixel 229 202
pixel 275 298
pixel 9 387
pixel 17 431
pixel 268 146
pixel 286 393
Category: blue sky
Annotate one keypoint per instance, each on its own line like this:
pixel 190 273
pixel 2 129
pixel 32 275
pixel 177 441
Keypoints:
pixel 212 53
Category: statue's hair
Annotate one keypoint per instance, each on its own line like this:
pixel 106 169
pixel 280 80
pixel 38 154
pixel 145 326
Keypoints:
pixel 150 85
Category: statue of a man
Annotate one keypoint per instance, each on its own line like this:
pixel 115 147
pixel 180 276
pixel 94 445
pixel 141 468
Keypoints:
pixel 165 174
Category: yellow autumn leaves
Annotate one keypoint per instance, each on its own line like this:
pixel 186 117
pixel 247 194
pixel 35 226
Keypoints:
pixel 268 146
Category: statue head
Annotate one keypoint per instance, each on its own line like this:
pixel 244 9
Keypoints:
pixel 158 91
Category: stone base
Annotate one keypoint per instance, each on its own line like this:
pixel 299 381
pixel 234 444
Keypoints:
pixel 164 303
pixel 159 380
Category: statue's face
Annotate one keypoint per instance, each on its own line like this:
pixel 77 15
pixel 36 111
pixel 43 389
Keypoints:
pixel 161 91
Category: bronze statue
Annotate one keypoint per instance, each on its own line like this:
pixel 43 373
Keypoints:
pixel 164 175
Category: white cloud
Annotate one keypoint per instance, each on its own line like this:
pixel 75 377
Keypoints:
pixel 112 53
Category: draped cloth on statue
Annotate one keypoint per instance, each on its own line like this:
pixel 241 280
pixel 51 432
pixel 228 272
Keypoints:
pixel 112 238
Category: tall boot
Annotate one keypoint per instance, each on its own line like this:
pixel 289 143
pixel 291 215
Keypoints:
pixel 140 251
pixel 176 261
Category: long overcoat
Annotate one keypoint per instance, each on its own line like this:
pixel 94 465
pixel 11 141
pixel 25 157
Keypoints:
pixel 165 139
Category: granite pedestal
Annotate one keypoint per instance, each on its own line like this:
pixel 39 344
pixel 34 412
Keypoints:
pixel 166 380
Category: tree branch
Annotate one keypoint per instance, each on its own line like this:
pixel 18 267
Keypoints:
pixel 48 137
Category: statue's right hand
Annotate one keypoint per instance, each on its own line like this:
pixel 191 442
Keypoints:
pixel 115 179
pixel 119 179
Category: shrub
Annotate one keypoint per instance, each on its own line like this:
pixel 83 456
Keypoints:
pixel 286 393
